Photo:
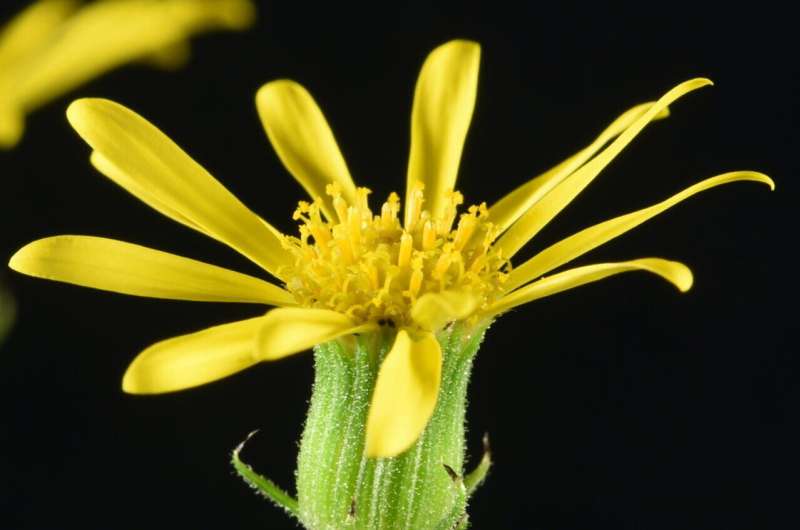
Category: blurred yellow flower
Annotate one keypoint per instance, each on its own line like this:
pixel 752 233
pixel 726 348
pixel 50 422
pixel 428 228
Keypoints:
pixel 54 46
pixel 349 269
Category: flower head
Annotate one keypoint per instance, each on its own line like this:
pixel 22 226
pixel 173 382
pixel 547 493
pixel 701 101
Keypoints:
pixel 349 269
pixel 54 46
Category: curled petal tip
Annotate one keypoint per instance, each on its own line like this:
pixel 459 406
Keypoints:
pixel 13 262
pixel 129 383
pixel 81 105
pixel 755 176
pixel 684 279
pixel 674 272
pixel 466 43
pixel 276 84
pixel 22 258
pixel 698 82
pixel 76 111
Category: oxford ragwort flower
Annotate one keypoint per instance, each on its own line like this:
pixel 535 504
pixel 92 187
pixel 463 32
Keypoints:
pixel 54 46
pixel 420 280
pixel 349 269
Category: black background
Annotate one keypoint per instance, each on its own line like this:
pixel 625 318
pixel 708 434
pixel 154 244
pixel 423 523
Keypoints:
pixel 619 405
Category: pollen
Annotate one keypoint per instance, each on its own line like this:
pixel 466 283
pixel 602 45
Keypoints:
pixel 373 267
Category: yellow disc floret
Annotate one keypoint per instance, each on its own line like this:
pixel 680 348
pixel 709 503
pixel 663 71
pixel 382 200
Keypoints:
pixel 373 267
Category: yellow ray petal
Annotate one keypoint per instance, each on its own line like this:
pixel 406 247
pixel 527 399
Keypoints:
pixel 405 394
pixel 26 34
pixel 504 212
pixel 443 103
pixel 303 140
pixel 433 310
pixel 674 272
pixel 126 268
pixel 194 359
pixel 147 157
pixel 12 125
pixel 564 192
pixel 132 185
pixel 570 248
pixel 31 28
pixel 289 330
pixel 170 57
pixel 105 35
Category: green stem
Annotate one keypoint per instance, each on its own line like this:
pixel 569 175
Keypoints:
pixel 339 488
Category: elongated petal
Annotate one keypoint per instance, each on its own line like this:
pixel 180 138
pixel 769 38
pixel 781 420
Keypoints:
pixel 24 36
pixel 126 268
pixel 147 157
pixel 192 360
pixel 443 103
pixel 31 28
pixel 570 248
pixel 405 394
pixel 135 187
pixel 291 330
pixel 303 140
pixel 508 209
pixel 105 35
pixel 564 192
pixel 674 272
pixel 433 310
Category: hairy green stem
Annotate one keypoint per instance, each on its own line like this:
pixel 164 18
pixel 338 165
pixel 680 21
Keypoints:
pixel 339 488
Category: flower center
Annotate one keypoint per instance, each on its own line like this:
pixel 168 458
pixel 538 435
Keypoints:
pixel 372 267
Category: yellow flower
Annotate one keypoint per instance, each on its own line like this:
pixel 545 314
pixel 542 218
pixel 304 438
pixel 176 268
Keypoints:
pixel 349 269
pixel 54 46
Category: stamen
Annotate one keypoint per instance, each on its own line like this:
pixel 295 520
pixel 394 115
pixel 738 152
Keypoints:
pixel 340 205
pixel 428 236
pixel 345 250
pixel 354 226
pixel 446 222
pixel 374 267
pixel 466 227
pixel 363 200
pixel 387 216
pixel 334 190
pixel 414 206
pixel 442 264
pixel 477 264
pixel 321 235
pixel 415 282
pixel 406 246
pixel 372 274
